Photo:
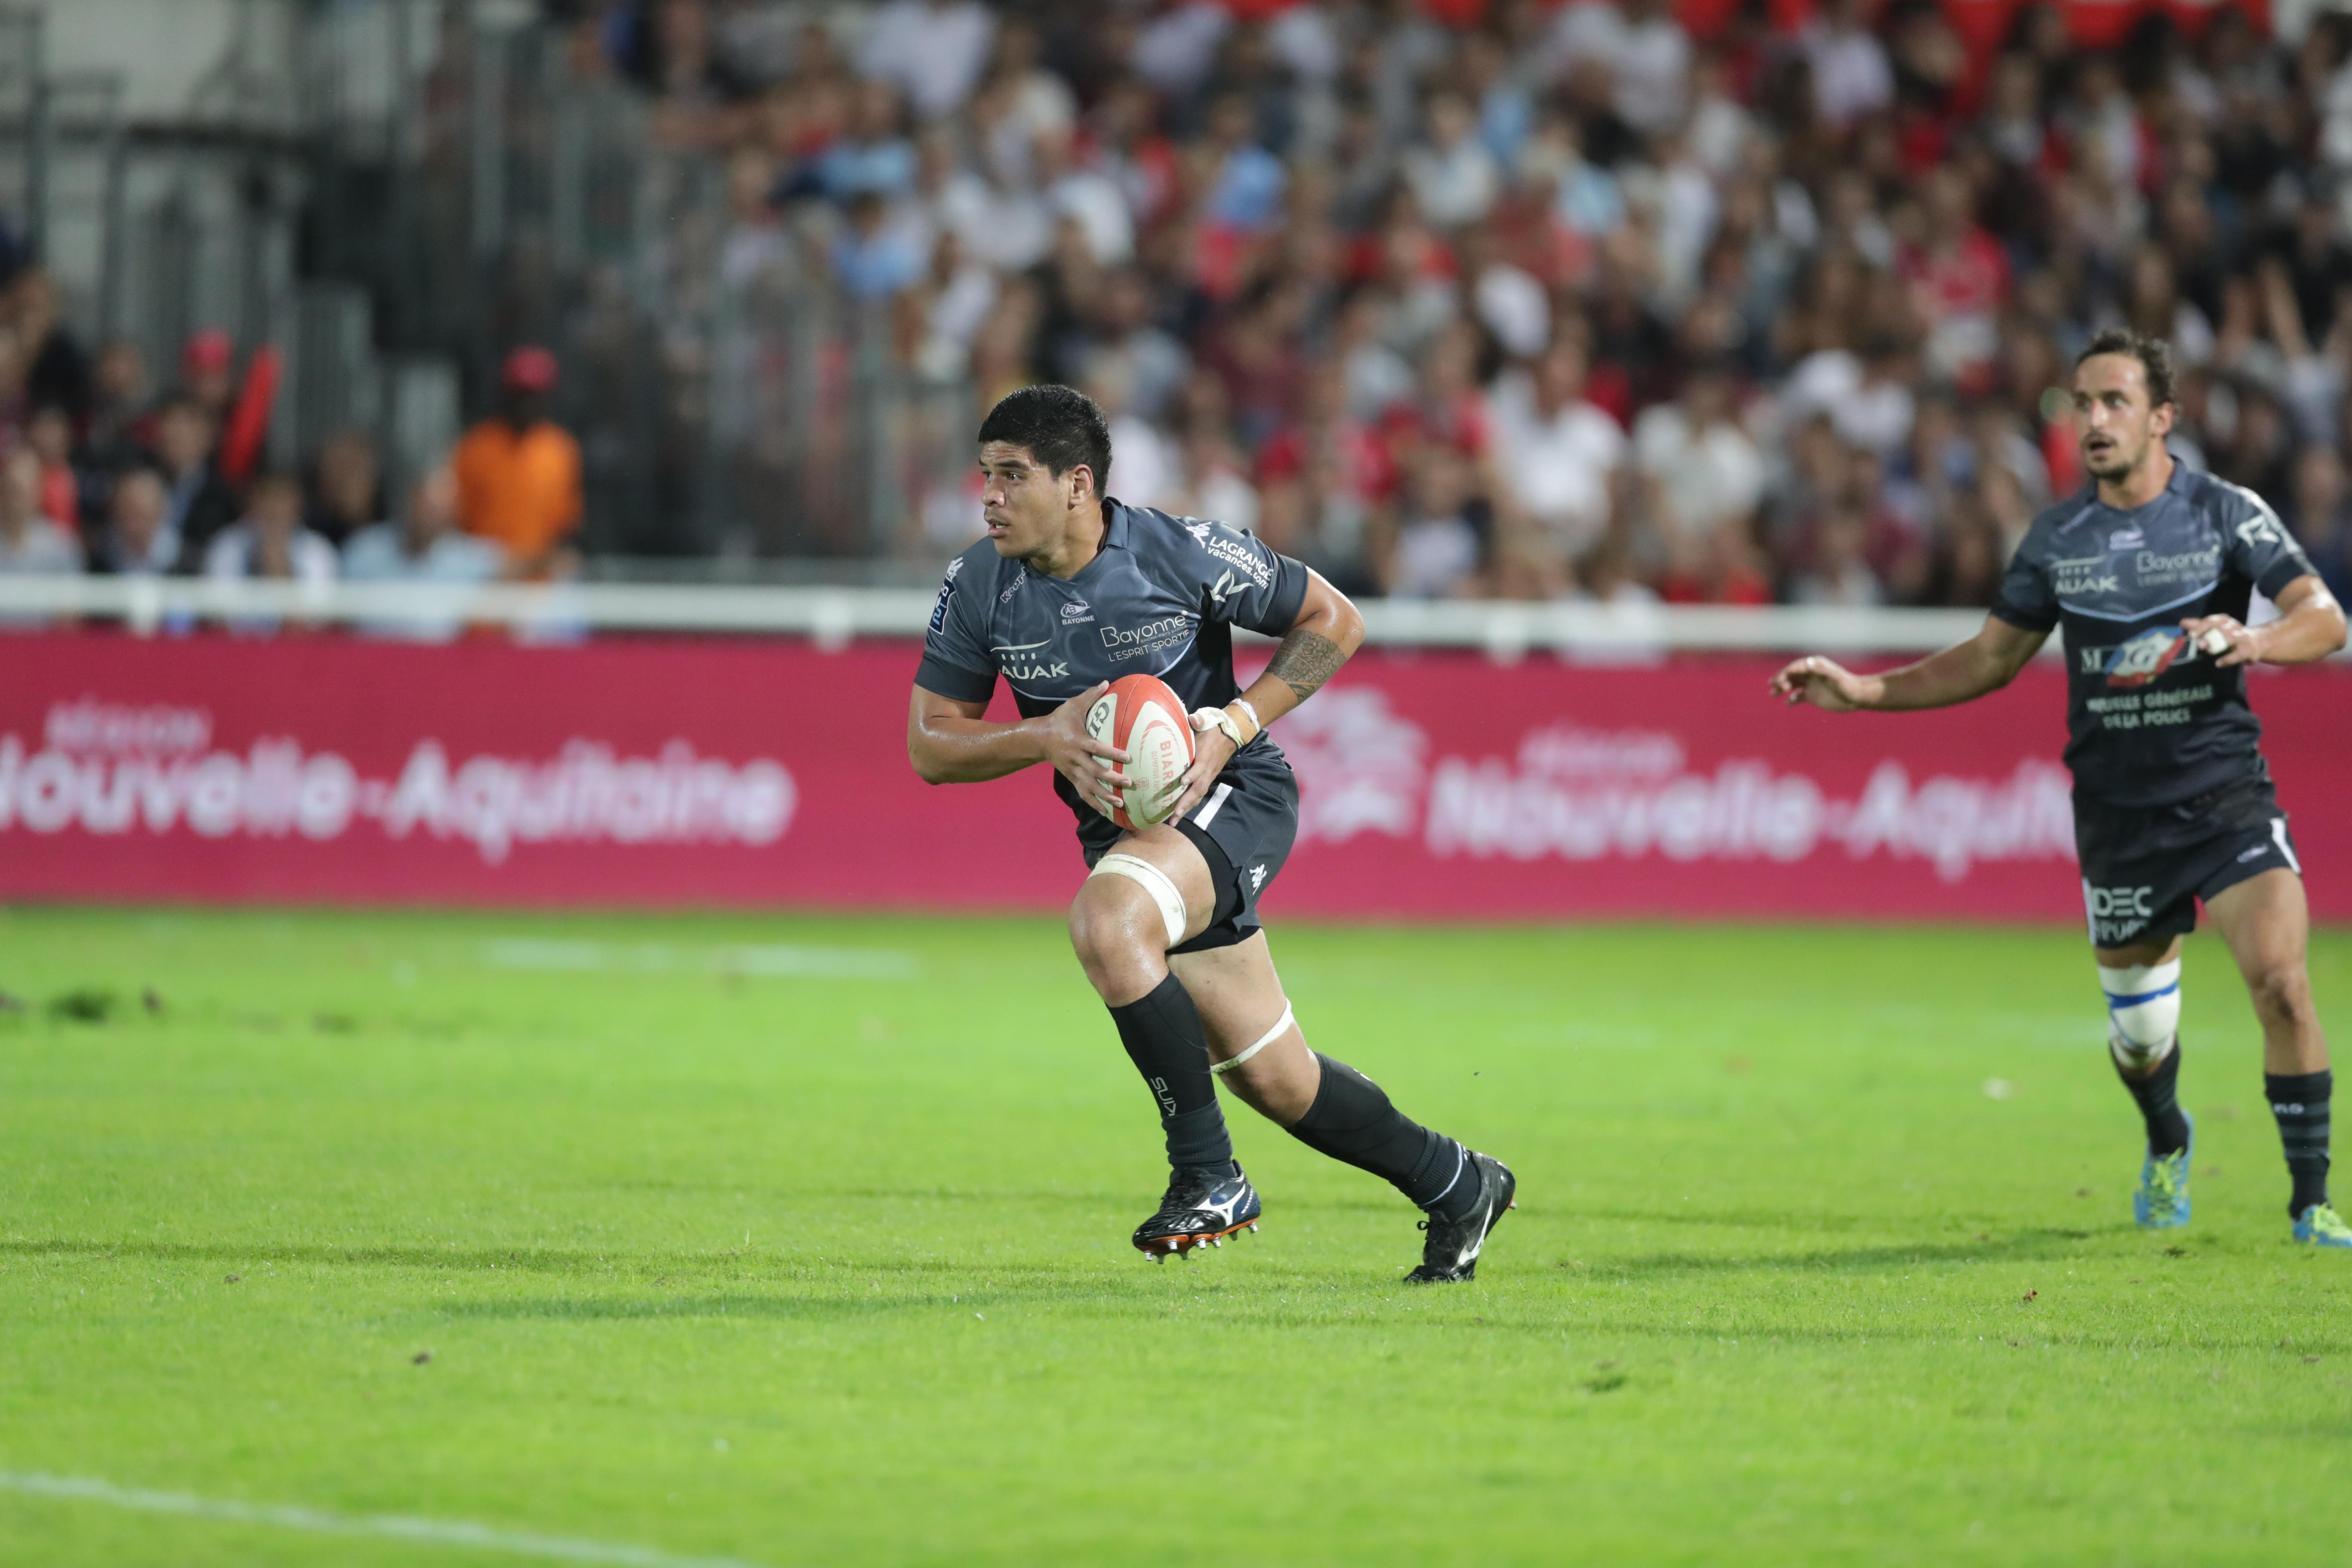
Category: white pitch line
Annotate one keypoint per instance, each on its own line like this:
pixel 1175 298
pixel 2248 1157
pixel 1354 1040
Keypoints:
pixel 392 1527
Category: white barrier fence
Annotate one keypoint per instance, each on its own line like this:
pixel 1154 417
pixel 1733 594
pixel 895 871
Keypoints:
pixel 833 616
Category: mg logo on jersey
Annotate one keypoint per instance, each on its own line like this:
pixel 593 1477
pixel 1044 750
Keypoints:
pixel 2144 657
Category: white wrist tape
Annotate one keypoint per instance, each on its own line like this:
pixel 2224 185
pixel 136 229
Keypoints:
pixel 1280 1025
pixel 1153 880
pixel 1246 706
pixel 2144 1008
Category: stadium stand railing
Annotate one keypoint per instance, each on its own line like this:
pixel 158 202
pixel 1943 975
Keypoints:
pixel 836 616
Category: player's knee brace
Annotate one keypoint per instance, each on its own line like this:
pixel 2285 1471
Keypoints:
pixel 1152 879
pixel 2143 1011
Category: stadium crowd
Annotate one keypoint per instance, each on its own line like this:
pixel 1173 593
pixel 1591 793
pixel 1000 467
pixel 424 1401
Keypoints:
pixel 1721 303
pixel 1724 302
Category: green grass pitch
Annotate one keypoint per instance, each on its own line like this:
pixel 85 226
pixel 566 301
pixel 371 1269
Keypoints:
pixel 723 1244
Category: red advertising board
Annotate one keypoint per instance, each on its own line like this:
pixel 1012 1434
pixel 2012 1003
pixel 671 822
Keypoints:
pixel 678 773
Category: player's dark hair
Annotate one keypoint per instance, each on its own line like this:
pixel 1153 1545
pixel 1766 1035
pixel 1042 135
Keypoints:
pixel 1061 425
pixel 2153 357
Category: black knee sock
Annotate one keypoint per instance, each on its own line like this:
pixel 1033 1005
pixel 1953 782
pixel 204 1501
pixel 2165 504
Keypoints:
pixel 2167 1129
pixel 1163 1033
pixel 1352 1120
pixel 2299 1102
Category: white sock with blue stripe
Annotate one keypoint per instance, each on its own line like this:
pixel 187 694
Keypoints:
pixel 2143 1013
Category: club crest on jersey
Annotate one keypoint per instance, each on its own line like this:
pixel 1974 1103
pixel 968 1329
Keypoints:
pixel 1077 611
pixel 2126 538
pixel 2142 658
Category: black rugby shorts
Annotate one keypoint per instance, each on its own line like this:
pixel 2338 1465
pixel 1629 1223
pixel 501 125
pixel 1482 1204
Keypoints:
pixel 2145 869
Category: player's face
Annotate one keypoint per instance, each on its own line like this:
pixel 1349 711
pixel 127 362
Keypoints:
pixel 1025 504
pixel 2118 428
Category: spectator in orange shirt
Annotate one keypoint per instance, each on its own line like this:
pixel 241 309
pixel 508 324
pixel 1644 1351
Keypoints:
pixel 518 473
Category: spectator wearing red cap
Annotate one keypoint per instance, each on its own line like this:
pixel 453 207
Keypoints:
pixel 518 473
pixel 208 372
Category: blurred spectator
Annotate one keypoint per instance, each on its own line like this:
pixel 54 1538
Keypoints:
pixel 48 435
pixel 1850 71
pixel 137 540
pixel 29 541
pixel 427 548
pixel 346 488
pixel 55 368
pixel 269 541
pixel 873 258
pixel 121 422
pixel 2321 514
pixel 519 472
pixel 934 49
pixel 1452 175
pixel 198 503
pixel 208 373
pixel 1560 458
pixel 1440 551
pixel 1837 572
pixel 1701 472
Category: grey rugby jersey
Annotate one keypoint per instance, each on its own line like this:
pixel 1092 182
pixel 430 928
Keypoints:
pixel 1161 597
pixel 2151 721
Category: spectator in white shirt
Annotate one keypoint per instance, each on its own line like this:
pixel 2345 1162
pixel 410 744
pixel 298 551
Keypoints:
pixel 1703 471
pixel 428 548
pixel 1559 457
pixel 269 541
pixel 29 543
pixel 1453 176
pixel 1645 50
pixel 140 539
pixel 1851 76
pixel 933 49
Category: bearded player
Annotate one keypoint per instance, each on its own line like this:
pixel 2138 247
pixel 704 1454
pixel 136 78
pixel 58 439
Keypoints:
pixel 2151 575
pixel 1069 591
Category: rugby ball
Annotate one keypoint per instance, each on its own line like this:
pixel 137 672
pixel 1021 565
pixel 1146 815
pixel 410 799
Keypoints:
pixel 1143 718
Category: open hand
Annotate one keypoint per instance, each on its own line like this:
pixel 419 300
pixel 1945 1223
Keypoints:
pixel 1090 765
pixel 1824 682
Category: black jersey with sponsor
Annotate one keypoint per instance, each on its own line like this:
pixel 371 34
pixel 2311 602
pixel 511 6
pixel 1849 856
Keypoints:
pixel 1162 597
pixel 2152 721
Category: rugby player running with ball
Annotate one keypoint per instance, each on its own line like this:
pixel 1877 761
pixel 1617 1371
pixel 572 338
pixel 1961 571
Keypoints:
pixel 1070 591
pixel 2150 575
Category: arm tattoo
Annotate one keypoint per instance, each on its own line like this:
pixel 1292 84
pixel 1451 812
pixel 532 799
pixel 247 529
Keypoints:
pixel 1305 661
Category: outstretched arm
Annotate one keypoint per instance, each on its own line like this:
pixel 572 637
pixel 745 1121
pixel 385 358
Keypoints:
pixel 949 742
pixel 1961 673
pixel 1328 630
pixel 2310 625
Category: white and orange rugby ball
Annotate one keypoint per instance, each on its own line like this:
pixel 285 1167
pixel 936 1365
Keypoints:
pixel 1143 718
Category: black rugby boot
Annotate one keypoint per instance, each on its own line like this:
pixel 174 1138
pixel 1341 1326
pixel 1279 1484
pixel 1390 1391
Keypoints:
pixel 1205 1204
pixel 1451 1252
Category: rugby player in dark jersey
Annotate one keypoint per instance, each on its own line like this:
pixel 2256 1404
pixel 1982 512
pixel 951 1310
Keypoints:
pixel 2150 573
pixel 1070 591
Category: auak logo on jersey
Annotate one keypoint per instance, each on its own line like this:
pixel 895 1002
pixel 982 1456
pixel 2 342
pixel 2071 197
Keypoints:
pixel 2083 575
pixel 1023 663
pixel 2140 660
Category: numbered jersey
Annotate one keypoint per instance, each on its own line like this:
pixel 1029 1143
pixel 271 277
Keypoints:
pixel 2152 721
pixel 1162 597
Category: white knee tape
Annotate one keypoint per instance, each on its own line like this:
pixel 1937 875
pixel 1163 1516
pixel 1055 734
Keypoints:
pixel 1153 880
pixel 2144 1005
pixel 1263 1041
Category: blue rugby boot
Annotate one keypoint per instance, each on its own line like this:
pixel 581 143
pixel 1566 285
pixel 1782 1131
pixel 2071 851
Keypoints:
pixel 2321 1225
pixel 2162 1201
